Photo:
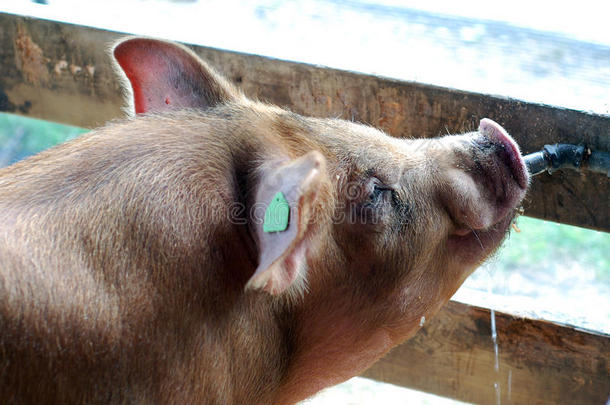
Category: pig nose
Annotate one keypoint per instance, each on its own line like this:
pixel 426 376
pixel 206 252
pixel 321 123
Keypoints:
pixel 508 151
pixel 487 183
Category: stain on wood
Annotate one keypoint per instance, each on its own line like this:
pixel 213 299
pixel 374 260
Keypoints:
pixel 29 58
pixel 49 71
pixel 62 72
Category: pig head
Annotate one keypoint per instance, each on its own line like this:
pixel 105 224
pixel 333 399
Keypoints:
pixel 137 264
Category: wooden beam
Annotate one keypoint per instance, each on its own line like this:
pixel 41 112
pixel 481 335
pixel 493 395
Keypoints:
pixel 61 72
pixel 539 362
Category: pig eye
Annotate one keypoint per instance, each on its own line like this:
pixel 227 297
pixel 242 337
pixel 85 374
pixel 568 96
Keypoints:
pixel 378 193
pixel 380 205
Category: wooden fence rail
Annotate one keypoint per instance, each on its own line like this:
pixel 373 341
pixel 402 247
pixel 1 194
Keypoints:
pixel 539 362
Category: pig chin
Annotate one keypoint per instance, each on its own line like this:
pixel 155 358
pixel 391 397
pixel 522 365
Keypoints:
pixel 472 248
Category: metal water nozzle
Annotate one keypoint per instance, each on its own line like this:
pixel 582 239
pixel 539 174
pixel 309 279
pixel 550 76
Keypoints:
pixel 562 156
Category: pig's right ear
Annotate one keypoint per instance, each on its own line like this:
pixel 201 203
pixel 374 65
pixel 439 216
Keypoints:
pixel 164 75
pixel 286 197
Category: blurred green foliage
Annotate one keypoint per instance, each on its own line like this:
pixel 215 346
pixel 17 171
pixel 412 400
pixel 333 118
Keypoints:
pixel 21 137
pixel 540 245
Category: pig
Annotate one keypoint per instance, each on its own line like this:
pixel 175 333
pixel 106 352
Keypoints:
pixel 144 262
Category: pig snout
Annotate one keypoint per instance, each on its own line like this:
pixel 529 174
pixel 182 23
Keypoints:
pixel 506 150
pixel 487 181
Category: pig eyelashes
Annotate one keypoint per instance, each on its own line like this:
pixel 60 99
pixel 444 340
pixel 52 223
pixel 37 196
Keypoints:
pixel 374 191
pixel 401 209
pixel 378 193
pixel 371 201
pixel 383 201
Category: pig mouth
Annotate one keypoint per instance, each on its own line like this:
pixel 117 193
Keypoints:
pixel 471 247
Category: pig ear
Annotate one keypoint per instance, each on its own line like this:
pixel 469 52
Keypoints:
pixel 165 75
pixel 289 193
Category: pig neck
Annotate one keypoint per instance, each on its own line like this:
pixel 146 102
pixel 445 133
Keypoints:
pixel 350 317
pixel 339 333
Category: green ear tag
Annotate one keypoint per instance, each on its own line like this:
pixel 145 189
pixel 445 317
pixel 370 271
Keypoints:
pixel 277 214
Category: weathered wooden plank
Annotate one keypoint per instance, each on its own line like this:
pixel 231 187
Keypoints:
pixel 57 72
pixel 61 72
pixel 539 362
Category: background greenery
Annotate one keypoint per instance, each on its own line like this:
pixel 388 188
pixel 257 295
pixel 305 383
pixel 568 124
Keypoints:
pixel 545 244
pixel 21 137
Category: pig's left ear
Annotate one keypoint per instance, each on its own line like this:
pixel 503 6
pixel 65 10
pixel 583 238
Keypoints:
pixel 164 75
pixel 282 218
